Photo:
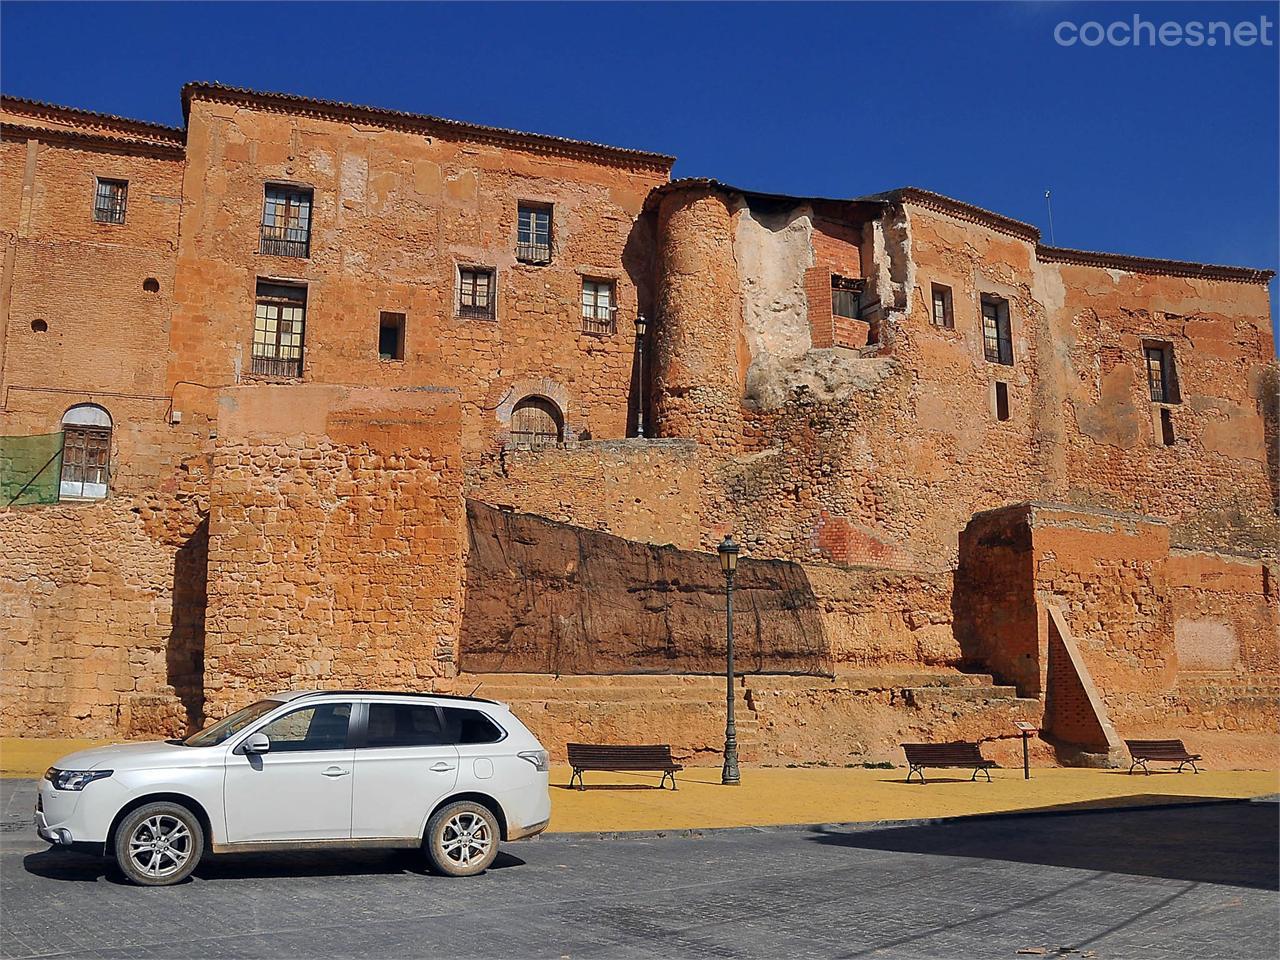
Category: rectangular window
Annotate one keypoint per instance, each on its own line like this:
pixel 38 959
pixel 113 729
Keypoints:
pixel 476 293
pixel 1166 428
pixel 86 453
pixel 533 233
pixel 286 222
pixel 598 307
pixel 464 726
pixel 845 294
pixel 997 337
pixel 322 727
pixel 1162 384
pixel 405 725
pixel 390 336
pixel 1002 401
pixel 278 321
pixel 942 316
pixel 110 200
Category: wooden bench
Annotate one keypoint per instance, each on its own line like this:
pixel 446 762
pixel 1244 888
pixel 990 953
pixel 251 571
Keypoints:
pixel 592 756
pixel 1169 751
pixel 961 753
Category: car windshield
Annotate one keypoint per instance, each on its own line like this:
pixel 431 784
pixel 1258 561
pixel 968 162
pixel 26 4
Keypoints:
pixel 227 726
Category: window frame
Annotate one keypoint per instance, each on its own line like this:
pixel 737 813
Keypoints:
pixel 282 367
pixel 1001 337
pixel 97 438
pixel 847 287
pixel 1169 392
pixel 592 324
pixel 530 251
pixel 470 311
pixel 400 323
pixel 948 321
pixel 120 208
pixel 280 244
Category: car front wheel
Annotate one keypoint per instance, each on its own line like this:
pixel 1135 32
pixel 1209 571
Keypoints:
pixel 462 839
pixel 159 844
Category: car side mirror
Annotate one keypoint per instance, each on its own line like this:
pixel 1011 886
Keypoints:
pixel 256 743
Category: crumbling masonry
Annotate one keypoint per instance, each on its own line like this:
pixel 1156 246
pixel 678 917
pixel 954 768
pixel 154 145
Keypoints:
pixel 343 396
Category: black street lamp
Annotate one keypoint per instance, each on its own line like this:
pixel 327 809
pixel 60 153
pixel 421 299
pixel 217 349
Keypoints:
pixel 728 551
pixel 641 325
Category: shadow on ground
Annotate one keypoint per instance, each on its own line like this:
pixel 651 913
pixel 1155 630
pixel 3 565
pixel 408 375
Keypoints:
pixel 83 868
pixel 1233 842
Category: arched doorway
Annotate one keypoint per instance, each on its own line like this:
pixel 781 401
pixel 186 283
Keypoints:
pixel 86 452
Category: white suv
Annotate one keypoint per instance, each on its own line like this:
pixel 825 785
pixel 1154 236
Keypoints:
pixel 308 770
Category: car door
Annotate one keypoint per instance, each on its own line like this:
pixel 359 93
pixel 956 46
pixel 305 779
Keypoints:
pixel 403 768
pixel 301 788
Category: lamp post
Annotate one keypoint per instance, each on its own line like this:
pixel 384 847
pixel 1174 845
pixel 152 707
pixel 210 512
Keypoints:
pixel 728 551
pixel 641 325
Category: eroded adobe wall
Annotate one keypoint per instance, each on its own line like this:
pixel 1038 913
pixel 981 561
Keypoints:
pixel 335 541
pixel 395 213
pixel 544 597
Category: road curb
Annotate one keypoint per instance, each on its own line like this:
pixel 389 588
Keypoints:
pixel 860 826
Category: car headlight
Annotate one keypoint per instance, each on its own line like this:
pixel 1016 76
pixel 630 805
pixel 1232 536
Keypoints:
pixel 74 779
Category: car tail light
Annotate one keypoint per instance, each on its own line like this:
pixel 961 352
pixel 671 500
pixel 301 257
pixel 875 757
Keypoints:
pixel 540 759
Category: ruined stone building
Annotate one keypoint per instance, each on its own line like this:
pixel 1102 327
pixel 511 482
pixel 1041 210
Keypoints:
pixel 306 394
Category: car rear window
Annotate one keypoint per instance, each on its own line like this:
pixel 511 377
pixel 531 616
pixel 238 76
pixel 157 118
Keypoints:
pixel 470 726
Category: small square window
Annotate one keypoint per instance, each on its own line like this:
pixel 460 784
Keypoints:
pixel 1002 401
pixel 390 336
pixel 533 233
pixel 477 296
pixel 598 307
pixel 110 200
pixel 942 316
pixel 997 335
pixel 845 297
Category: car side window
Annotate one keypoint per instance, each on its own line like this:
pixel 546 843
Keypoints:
pixel 470 726
pixel 404 725
pixel 322 727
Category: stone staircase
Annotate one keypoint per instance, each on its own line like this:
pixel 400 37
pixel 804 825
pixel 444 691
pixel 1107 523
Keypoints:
pixel 780 718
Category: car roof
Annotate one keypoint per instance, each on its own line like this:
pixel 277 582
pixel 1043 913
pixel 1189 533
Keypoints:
pixel 299 694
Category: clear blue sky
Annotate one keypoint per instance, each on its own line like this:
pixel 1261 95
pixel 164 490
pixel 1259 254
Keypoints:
pixel 1166 152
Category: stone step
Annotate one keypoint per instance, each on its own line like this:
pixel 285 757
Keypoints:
pixel 916 696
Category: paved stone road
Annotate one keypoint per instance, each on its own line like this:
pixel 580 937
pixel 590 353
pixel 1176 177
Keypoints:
pixel 1188 882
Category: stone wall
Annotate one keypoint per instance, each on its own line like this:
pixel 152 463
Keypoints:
pixel 544 597
pixel 335 541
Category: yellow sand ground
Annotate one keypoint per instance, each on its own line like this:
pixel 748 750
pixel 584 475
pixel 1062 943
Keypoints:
pixel 775 795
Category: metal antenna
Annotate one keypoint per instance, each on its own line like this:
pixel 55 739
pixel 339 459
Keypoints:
pixel 1049 203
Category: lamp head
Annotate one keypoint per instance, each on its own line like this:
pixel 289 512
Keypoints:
pixel 642 324
pixel 728 551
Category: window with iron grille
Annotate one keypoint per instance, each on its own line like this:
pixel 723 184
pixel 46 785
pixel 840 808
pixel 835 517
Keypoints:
pixel 110 200
pixel 533 233
pixel 476 293
pixel 598 308
pixel 536 424
pixel 997 337
pixel 286 222
pixel 279 317
pixel 942 316
pixel 845 296
pixel 1161 382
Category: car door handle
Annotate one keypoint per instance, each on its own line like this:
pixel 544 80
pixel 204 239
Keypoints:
pixel 336 772
pixel 442 767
